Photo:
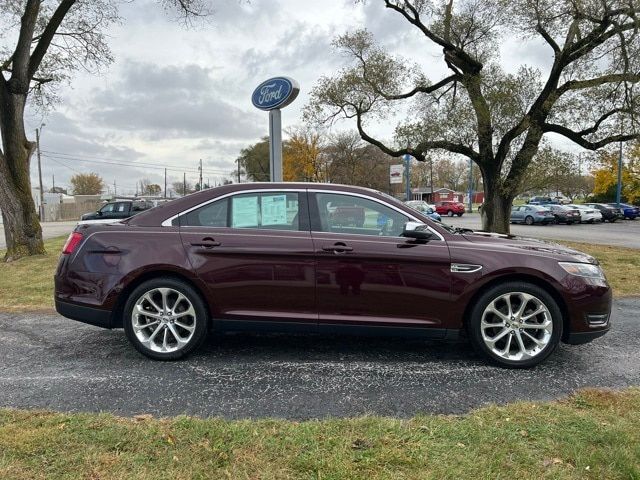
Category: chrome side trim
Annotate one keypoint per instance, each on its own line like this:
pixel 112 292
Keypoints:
pixel 168 221
pixel 465 268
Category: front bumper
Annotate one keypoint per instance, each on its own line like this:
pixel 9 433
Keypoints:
pixel 82 313
pixel 578 338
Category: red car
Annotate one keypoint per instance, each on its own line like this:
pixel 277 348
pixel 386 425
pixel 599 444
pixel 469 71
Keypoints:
pixel 450 208
pixel 274 256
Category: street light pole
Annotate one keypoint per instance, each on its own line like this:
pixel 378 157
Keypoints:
pixel 407 174
pixel 619 186
pixel 41 209
pixel 470 189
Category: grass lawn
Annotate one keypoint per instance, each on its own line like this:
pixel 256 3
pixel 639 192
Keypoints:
pixel 27 284
pixel 593 434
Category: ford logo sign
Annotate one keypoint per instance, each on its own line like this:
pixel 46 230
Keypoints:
pixel 277 92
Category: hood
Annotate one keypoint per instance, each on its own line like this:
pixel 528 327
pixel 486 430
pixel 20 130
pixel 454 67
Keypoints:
pixel 529 245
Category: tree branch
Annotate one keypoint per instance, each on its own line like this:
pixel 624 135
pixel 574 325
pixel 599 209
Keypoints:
pixel 597 81
pixel 418 151
pixel 541 30
pixel 577 137
pixel 411 93
pixel 47 35
pixel 20 76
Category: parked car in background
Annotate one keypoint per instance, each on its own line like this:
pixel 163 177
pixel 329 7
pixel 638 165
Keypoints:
pixel 541 201
pixel 530 214
pixel 629 211
pixel 450 208
pixel 563 214
pixel 268 256
pixel 609 213
pixel 425 208
pixel 562 200
pixel 117 210
pixel 587 214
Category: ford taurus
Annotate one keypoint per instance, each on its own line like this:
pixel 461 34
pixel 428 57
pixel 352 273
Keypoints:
pixel 325 258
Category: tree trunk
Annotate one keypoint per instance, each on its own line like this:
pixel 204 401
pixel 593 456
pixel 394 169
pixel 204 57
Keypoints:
pixel 496 209
pixel 21 224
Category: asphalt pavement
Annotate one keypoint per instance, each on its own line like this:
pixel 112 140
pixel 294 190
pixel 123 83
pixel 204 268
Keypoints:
pixel 49 230
pixel 49 362
pixel 622 233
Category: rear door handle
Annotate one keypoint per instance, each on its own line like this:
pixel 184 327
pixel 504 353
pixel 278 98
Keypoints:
pixel 338 249
pixel 207 242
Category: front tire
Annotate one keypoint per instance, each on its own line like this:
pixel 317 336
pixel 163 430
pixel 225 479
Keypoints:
pixel 515 325
pixel 165 319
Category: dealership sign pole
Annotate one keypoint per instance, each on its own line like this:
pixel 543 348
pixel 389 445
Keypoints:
pixel 272 95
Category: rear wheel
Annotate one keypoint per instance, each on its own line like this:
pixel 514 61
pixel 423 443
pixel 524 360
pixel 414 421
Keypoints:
pixel 449 213
pixel 515 324
pixel 165 319
pixel 528 220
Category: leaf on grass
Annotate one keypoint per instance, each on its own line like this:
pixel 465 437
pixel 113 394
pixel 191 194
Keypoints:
pixel 360 444
pixel 460 444
pixel 524 433
pixel 547 462
pixel 142 417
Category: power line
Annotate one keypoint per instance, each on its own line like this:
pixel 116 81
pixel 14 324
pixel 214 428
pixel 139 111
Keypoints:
pixel 89 159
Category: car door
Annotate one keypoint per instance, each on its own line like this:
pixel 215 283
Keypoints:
pixel 367 275
pixel 255 254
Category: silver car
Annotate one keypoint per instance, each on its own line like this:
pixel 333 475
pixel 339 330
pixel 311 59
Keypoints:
pixel 531 214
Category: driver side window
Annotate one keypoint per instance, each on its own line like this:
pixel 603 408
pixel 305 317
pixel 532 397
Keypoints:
pixel 358 216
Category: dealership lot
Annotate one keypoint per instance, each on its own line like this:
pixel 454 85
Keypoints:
pixel 623 233
pixel 53 363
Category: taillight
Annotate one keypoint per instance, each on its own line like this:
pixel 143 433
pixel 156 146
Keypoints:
pixel 72 242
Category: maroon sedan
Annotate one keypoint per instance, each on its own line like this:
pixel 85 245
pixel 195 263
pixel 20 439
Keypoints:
pixel 269 256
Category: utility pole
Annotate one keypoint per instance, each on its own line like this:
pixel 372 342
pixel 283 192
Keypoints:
pixel 165 183
pixel 238 160
pixel 619 186
pixel 431 176
pixel 470 186
pixel 41 209
pixel 115 190
pixel 184 183
pixel 200 175
pixel 407 174
pixel 53 183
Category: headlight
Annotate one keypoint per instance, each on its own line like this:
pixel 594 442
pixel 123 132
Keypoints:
pixel 582 269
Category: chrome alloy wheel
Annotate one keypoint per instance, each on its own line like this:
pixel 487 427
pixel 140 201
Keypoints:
pixel 163 320
pixel 516 326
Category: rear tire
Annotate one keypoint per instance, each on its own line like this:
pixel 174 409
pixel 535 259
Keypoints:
pixel 165 319
pixel 528 220
pixel 523 339
pixel 449 213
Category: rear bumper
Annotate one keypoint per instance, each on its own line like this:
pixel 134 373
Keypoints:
pixel 82 313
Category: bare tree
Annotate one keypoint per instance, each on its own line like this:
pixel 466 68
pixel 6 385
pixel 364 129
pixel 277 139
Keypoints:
pixel 478 110
pixel 52 39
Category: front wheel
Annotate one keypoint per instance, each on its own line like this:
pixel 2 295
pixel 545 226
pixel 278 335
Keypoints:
pixel 459 214
pixel 515 325
pixel 165 319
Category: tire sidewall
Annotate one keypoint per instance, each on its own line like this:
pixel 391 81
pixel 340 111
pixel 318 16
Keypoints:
pixel 475 334
pixel 192 295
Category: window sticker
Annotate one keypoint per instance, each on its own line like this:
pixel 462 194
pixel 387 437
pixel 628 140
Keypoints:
pixel 244 212
pixel 274 210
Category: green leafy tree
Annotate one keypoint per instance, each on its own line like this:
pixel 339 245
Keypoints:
pixel 41 44
pixel 478 110
pixel 254 161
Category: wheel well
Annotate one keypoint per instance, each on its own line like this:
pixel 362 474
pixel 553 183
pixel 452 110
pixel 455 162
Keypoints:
pixel 116 316
pixel 522 278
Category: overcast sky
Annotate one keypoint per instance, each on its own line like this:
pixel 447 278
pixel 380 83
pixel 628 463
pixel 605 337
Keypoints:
pixel 175 95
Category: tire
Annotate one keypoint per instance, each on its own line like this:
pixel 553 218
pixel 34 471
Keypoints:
pixel 459 214
pixel 528 220
pixel 501 350
pixel 613 220
pixel 190 325
pixel 449 213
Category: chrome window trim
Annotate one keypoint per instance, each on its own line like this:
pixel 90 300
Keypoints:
pixel 167 222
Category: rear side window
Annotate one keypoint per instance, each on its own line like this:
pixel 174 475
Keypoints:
pixel 211 215
pixel 268 210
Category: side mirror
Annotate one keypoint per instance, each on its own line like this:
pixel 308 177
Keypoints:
pixel 430 210
pixel 417 230
pixel 99 212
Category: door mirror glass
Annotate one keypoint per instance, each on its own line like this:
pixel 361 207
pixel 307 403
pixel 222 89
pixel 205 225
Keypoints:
pixel 417 230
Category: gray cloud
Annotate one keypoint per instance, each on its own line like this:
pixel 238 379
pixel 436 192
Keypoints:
pixel 170 101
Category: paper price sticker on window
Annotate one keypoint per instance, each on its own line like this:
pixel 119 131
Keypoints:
pixel 274 210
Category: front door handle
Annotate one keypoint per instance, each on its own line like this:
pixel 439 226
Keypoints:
pixel 207 242
pixel 338 249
